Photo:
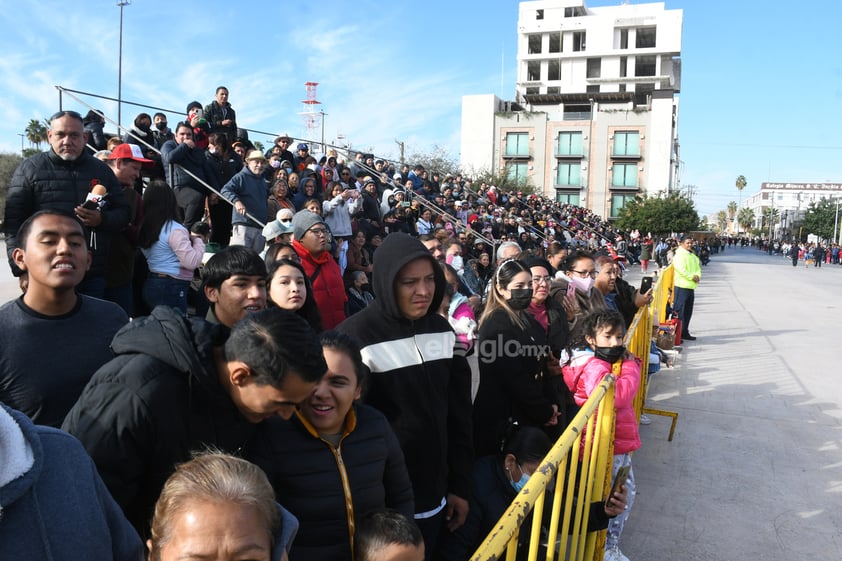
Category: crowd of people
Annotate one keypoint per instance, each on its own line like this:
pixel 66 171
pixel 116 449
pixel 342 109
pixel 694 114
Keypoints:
pixel 394 348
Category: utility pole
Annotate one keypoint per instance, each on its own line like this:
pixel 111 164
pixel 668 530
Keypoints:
pixel 21 135
pixel 120 3
pixel 402 146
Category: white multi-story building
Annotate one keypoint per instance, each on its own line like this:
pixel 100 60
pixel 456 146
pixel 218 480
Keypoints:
pixel 594 121
pixel 790 202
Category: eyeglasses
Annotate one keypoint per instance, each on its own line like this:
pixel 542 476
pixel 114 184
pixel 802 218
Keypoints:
pixel 318 231
pixel 541 280
pixel 585 274
pixel 60 114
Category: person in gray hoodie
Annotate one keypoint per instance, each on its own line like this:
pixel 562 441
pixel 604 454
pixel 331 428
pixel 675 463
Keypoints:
pixel 249 193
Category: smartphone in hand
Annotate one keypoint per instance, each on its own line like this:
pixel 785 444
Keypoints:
pixel 645 285
pixel 571 290
pixel 619 480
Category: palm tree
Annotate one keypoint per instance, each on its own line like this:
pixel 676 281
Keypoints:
pixel 732 212
pixel 770 216
pixel 746 218
pixel 36 132
pixel 722 221
pixel 741 184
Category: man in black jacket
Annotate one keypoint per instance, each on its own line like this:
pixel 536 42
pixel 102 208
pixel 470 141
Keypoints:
pixel 183 160
pixel 178 385
pixel 420 380
pixel 61 179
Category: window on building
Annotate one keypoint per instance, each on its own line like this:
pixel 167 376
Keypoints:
pixel 618 201
pixel 534 47
pixel 517 145
pixel 553 90
pixel 569 143
pixel 533 70
pixel 642 92
pixel 574 11
pixel 622 88
pixel 553 70
pixel 569 174
pixel 624 38
pixel 533 90
pixel 626 143
pixel 539 14
pixel 578 41
pixel 567 198
pixel 594 67
pixel 624 66
pixel 592 89
pixel 555 42
pixel 645 38
pixel 645 65
pixel 516 171
pixel 624 175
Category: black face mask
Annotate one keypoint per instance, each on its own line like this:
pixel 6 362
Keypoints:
pixel 610 354
pixel 520 298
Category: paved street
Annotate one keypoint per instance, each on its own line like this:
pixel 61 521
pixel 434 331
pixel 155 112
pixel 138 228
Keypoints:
pixel 755 469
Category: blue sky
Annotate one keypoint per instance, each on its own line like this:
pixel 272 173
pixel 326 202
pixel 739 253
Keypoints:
pixel 761 85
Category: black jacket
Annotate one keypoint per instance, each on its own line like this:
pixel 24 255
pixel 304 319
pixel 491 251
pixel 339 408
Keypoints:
pixel 419 378
pixel 157 401
pixel 331 488
pixel 511 379
pixel 178 159
pixel 47 181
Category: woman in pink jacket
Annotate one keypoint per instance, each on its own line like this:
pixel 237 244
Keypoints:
pixel 596 346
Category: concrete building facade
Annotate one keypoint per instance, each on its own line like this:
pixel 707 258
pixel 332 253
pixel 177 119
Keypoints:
pixel 594 121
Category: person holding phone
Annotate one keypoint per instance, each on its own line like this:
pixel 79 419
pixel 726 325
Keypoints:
pixel 594 348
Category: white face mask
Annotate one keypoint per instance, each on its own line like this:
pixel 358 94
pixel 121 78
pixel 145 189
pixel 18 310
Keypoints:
pixel 582 285
pixel 457 262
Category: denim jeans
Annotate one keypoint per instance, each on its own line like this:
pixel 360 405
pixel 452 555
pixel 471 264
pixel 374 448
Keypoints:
pixel 166 291
pixel 615 526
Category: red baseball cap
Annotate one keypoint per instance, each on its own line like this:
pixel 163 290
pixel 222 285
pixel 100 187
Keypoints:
pixel 127 151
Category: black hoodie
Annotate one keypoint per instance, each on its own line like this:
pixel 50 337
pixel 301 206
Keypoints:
pixel 417 378
pixel 157 401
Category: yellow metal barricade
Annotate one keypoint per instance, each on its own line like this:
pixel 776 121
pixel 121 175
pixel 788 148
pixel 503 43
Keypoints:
pixel 577 470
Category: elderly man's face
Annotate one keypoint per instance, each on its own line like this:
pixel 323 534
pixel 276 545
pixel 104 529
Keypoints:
pixel 67 137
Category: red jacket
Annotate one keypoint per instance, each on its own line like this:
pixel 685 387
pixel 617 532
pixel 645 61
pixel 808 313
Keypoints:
pixel 326 281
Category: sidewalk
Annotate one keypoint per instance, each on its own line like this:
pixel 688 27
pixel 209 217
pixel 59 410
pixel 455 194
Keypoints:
pixel 755 469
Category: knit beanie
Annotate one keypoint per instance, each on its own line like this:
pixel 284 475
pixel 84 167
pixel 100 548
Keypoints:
pixel 303 221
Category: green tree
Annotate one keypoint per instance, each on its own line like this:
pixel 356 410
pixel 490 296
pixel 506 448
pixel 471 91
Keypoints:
pixel 36 133
pixel 8 165
pixel 770 216
pixel 745 218
pixel 732 212
pixel 661 214
pixel 722 220
pixel 435 159
pixel 741 184
pixel 819 218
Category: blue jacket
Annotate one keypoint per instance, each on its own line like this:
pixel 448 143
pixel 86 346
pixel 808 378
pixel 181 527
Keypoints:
pixel 57 508
pixel 251 190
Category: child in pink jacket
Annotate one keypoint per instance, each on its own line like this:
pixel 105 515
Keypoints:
pixel 597 344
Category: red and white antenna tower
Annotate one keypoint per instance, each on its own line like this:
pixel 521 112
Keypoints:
pixel 312 118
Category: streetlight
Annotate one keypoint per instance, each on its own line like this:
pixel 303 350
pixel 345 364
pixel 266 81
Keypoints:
pixel 21 135
pixel 120 3
pixel 836 222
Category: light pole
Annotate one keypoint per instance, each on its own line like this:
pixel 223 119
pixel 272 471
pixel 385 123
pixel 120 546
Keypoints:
pixel 21 135
pixel 836 222
pixel 324 148
pixel 120 3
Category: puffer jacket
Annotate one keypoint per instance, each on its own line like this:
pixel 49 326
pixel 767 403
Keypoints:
pixel 47 181
pixel 157 401
pixel 584 372
pixel 330 488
